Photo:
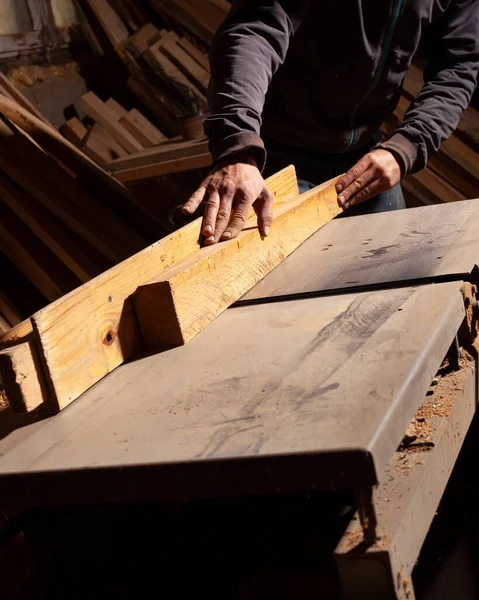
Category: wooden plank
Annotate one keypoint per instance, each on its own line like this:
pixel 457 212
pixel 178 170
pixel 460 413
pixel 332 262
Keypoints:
pixel 109 20
pixel 9 310
pixel 5 326
pixel 200 57
pixel 99 112
pixel 20 99
pixel 74 131
pixel 430 188
pixel 178 165
pixel 22 379
pixel 165 68
pixel 194 71
pixel 167 151
pixel 116 108
pixel 459 164
pixel 48 229
pixel 142 129
pixel 33 258
pixel 18 333
pixel 101 147
pixel 175 306
pixel 156 104
pixel 183 15
pixel 86 334
pixel 140 41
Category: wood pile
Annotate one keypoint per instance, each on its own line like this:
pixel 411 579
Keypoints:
pixel 453 173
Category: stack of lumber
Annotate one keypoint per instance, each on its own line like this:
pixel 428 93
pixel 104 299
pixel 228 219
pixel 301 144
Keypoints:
pixel 168 69
pixel 453 173
pixel 63 220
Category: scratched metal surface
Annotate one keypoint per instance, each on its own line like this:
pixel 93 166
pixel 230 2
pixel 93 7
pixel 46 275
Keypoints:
pixel 305 394
pixel 414 244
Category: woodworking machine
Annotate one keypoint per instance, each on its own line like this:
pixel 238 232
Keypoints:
pixel 310 382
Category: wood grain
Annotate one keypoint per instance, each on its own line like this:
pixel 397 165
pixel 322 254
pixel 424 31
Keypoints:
pixel 193 70
pixel 142 129
pixel 175 306
pixel 101 147
pixel 109 20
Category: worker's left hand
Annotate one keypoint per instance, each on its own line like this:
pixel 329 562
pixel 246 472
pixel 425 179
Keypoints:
pixel 376 172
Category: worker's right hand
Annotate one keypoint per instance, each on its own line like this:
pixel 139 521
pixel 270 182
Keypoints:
pixel 229 192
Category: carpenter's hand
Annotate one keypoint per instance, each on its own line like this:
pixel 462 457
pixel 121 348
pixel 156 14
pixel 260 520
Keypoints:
pixel 229 192
pixel 376 172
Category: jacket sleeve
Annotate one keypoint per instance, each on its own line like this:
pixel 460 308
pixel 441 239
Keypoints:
pixel 247 50
pixel 449 82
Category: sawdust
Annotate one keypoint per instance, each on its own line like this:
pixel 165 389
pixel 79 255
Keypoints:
pixel 29 75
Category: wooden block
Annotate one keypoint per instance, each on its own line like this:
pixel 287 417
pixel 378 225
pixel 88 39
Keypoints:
pixel 48 229
pixel 88 333
pixel 193 70
pixel 116 108
pixel 22 378
pixel 4 325
pixel 99 112
pixel 142 129
pixel 9 311
pixel 111 23
pixel 200 57
pixel 74 131
pixel 101 147
pixel 177 305
pixel 178 165
pixel 156 104
pixel 140 41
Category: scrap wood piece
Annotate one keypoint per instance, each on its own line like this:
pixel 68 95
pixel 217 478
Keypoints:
pixel 157 104
pixel 193 70
pixel 85 335
pixel 49 230
pixel 5 325
pixel 104 116
pixel 200 57
pixel 74 131
pixel 16 95
pixel 139 42
pixel 101 147
pixel 111 23
pixel 116 108
pixel 178 304
pixel 142 129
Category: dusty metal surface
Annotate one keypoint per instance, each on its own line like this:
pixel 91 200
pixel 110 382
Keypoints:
pixel 407 499
pixel 418 244
pixel 298 395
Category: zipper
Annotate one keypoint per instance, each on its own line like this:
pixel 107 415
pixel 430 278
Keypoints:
pixel 379 71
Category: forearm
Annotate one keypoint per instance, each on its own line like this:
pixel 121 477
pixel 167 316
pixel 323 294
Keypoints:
pixel 247 51
pixel 450 80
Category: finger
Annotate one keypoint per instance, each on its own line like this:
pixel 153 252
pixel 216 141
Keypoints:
pixel 353 173
pixel 195 200
pixel 263 207
pixel 239 215
pixel 373 188
pixel 211 210
pixel 226 194
pixel 356 186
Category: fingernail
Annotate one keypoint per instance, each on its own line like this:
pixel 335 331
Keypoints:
pixel 186 209
pixel 210 240
pixel 342 199
pixel 226 235
pixel 339 188
pixel 208 230
pixel 266 231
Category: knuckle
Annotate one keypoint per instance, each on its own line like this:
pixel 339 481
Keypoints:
pixel 223 214
pixel 359 183
pixel 238 216
pixel 228 186
pixel 212 202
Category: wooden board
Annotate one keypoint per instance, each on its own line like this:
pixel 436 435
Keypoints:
pixel 427 187
pixel 74 131
pixel 16 95
pixel 296 396
pixel 101 147
pixel 142 129
pixel 177 305
pixel 178 165
pixel 141 40
pixel 9 311
pixel 193 70
pixel 104 116
pixel 427 243
pixel 109 20
pixel 200 57
pixel 86 334
pixel 116 108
